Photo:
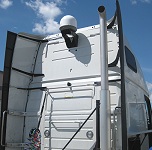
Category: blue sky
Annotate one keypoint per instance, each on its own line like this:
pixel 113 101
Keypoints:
pixel 43 16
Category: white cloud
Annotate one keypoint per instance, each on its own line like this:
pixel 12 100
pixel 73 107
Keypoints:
pixel 5 3
pixel 137 1
pixel 47 12
pixel 149 85
pixel 134 2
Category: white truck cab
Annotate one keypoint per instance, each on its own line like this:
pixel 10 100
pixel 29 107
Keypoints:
pixel 52 92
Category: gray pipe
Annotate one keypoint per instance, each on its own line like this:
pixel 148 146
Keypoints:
pixel 105 111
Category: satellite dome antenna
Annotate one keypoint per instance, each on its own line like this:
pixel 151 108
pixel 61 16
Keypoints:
pixel 68 22
pixel 68 28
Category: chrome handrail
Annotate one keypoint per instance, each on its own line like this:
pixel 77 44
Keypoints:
pixel 2 127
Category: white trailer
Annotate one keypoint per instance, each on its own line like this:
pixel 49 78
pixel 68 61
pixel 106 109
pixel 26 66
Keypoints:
pixel 56 94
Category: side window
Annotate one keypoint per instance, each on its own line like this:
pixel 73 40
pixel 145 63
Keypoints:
pixel 130 59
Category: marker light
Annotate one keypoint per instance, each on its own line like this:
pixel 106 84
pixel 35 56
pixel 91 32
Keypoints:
pixel 89 134
pixel 47 133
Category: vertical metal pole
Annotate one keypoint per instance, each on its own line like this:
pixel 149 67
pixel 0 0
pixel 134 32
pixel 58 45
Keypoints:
pixel 105 115
pixel 97 124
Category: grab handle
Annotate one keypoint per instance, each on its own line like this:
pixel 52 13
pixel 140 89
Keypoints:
pixel 2 129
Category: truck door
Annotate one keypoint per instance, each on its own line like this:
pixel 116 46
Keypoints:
pixel 149 121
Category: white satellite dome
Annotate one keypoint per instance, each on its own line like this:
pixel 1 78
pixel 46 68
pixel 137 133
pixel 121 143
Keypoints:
pixel 68 22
